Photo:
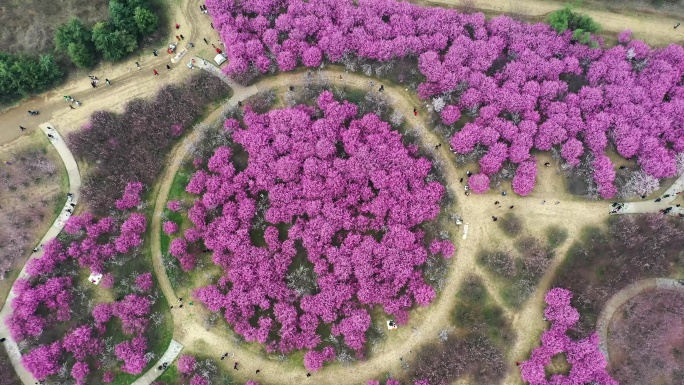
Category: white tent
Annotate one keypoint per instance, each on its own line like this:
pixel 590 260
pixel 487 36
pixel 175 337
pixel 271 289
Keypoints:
pixel 95 278
pixel 220 59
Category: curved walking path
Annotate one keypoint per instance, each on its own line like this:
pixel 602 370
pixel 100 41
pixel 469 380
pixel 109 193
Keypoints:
pixel 651 206
pixel 167 358
pixel 621 297
pixel 54 230
pixel 425 323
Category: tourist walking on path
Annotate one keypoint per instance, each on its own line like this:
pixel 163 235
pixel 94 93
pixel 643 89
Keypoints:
pixel 155 72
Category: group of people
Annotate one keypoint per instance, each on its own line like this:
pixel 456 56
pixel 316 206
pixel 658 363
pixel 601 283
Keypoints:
pixel 94 81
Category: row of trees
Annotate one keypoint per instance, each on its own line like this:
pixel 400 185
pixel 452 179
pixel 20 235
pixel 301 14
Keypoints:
pixel 129 21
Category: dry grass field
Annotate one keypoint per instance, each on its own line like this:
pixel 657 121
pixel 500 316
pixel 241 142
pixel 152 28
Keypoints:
pixel 28 25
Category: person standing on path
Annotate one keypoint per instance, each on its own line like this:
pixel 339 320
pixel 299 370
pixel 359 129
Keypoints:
pixel 138 65
pixel 177 37
pixel 154 53
pixel 235 366
pixel 22 128
pixel 212 25
pixel 168 67
pixel 177 25
pixel 182 37
pixel 109 83
pixel 205 40
pixel 155 72
pixel 415 111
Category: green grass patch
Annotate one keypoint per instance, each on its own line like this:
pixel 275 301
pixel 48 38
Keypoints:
pixel 556 236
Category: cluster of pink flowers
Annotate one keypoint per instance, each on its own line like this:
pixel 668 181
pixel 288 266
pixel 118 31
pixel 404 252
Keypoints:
pixel 133 311
pixel 144 282
pixel 186 366
pixel 131 196
pixel 89 251
pixel 314 360
pixel 587 360
pixel 44 360
pixel 53 294
pixel 333 181
pixel 174 205
pixel 479 183
pixel 132 353
pixel 170 227
pixel 529 86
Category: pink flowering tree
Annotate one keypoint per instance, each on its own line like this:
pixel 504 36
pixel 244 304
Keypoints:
pixel 132 353
pixel 131 196
pixel 186 364
pixel 585 357
pixel 479 183
pixel 144 282
pixel 170 227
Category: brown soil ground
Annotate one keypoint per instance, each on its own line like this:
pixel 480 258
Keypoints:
pixel 29 25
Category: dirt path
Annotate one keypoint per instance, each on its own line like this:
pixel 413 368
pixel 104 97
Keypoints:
pixel 74 186
pixel 653 28
pixel 621 297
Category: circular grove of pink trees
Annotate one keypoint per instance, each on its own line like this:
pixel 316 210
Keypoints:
pixel 344 195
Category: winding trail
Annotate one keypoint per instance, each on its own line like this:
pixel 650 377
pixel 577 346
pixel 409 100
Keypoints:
pixel 621 297
pixel 425 323
pixel 74 187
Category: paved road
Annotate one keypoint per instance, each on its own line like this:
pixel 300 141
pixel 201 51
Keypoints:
pixel 651 206
pixel 74 186
pixel 169 355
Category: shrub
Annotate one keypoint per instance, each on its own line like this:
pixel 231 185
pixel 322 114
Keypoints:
pixel 475 311
pixel 511 224
pixel 499 262
pixel 565 19
pixel 556 236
